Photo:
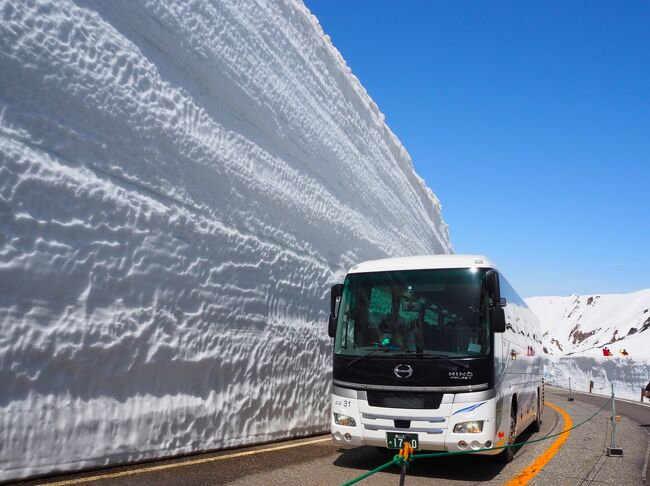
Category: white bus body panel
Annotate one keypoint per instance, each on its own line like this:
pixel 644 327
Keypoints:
pixel 433 426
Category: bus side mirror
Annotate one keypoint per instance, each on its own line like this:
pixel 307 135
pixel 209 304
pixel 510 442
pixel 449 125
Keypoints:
pixel 497 319
pixel 497 316
pixel 493 286
pixel 335 295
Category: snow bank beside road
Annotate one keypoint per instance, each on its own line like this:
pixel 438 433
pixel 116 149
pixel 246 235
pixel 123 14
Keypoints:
pixel 180 183
pixel 577 327
pixel 627 375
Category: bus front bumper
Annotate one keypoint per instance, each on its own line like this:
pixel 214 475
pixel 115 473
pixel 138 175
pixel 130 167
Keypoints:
pixel 434 428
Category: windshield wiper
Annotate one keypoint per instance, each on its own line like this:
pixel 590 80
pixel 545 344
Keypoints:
pixel 420 354
pixel 359 358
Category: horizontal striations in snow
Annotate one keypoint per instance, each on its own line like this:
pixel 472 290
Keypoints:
pixel 577 328
pixel 180 184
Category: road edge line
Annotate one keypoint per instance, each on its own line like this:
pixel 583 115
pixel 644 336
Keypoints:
pixel 533 469
pixel 163 467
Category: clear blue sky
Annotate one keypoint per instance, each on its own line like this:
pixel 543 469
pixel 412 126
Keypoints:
pixel 529 120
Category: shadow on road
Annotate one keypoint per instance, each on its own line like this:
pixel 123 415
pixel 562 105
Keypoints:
pixel 470 467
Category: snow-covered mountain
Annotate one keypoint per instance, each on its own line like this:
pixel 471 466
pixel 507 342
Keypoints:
pixel 180 184
pixel 577 328
pixel 583 324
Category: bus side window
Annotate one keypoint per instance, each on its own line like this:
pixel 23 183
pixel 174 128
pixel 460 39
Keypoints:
pixel 430 317
pixel 500 354
pixel 432 335
pixel 510 310
pixel 362 296
pixel 379 309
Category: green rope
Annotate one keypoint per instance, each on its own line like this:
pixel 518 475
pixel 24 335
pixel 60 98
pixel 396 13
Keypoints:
pixel 398 460
pixel 516 444
pixel 370 473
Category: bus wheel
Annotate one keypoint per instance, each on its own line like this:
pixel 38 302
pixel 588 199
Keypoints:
pixel 508 454
pixel 537 424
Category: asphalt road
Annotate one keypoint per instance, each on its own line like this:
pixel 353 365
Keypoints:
pixel 638 412
pixel 316 460
pixel 320 463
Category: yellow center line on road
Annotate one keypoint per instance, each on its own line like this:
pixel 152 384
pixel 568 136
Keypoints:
pixel 531 471
pixel 163 467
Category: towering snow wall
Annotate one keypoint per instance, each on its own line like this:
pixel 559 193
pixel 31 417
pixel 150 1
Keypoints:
pixel 577 328
pixel 180 184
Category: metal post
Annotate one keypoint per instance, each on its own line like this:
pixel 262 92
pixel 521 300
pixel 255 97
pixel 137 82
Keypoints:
pixel 591 385
pixel 613 443
pixel 570 392
pixel 613 450
pixel 402 475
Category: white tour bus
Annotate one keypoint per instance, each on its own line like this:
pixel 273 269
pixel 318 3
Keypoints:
pixel 438 351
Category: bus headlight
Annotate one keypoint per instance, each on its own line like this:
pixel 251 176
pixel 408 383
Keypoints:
pixel 473 427
pixel 340 419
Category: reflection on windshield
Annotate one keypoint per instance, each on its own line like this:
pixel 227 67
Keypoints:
pixel 427 312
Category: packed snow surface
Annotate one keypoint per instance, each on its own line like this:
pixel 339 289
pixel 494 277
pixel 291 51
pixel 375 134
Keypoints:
pixel 577 328
pixel 180 184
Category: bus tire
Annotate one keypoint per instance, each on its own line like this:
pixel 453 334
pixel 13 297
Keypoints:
pixel 508 454
pixel 537 424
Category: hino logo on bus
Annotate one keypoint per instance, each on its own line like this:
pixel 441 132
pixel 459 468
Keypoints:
pixel 461 375
pixel 403 371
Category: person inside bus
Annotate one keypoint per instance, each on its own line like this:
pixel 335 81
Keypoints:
pixel 392 328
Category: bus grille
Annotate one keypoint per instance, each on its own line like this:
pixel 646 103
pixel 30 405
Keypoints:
pixel 412 400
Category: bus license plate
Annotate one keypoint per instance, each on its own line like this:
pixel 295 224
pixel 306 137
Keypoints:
pixel 395 440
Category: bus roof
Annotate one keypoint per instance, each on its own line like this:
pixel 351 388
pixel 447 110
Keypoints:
pixel 424 262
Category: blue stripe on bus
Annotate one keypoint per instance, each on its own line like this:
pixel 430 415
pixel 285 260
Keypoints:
pixel 470 408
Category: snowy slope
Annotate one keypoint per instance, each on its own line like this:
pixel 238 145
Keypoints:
pixel 180 184
pixel 577 327
pixel 583 324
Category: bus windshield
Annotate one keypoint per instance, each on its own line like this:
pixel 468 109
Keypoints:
pixel 439 312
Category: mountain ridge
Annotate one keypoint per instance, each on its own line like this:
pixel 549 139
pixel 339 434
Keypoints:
pixel 577 328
